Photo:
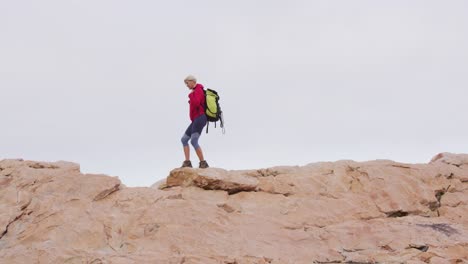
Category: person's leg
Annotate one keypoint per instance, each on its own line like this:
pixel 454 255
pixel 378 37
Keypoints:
pixel 187 152
pixel 197 129
pixel 185 139
pixel 196 146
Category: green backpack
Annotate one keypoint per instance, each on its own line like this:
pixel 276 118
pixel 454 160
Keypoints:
pixel 212 109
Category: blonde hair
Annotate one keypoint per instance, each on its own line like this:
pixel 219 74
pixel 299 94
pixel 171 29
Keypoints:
pixel 190 78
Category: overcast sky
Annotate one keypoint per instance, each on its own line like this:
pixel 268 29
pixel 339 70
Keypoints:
pixel 100 82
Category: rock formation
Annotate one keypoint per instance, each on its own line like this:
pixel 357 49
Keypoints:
pixel 331 212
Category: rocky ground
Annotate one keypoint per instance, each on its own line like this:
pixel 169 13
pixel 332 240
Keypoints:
pixel 333 212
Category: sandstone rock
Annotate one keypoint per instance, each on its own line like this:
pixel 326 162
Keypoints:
pixel 212 179
pixel 331 212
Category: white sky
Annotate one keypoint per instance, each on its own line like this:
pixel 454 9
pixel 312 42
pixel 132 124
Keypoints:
pixel 100 82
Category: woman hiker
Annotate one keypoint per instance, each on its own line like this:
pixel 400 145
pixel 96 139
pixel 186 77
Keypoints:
pixel 198 118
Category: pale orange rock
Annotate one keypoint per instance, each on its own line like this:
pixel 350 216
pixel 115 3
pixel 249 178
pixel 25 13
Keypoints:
pixel 330 212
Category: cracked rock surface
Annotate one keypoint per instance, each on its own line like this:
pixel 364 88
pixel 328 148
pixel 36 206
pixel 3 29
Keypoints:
pixel 330 212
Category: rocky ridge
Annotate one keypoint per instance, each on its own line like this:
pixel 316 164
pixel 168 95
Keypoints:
pixel 331 212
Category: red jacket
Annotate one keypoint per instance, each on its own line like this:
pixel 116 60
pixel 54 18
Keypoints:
pixel 197 102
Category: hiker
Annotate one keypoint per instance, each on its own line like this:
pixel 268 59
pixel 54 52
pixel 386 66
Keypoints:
pixel 198 119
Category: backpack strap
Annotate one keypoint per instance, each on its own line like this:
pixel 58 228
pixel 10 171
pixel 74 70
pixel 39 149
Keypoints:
pixel 205 105
pixel 221 120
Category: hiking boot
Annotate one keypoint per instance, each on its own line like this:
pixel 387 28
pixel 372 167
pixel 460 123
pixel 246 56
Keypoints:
pixel 203 164
pixel 187 164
